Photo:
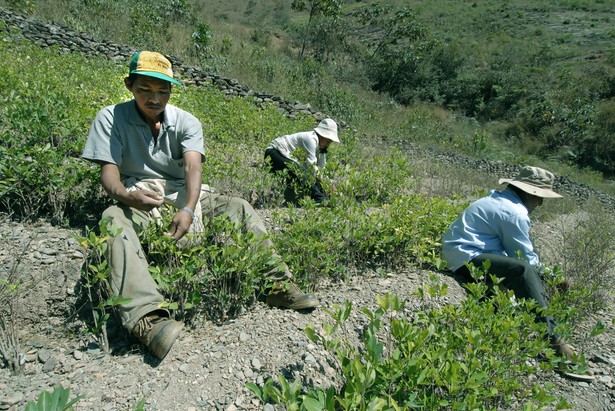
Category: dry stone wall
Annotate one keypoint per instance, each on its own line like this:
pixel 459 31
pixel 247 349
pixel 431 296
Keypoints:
pixel 70 41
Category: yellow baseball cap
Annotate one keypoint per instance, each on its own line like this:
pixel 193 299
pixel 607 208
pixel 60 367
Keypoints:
pixel 150 63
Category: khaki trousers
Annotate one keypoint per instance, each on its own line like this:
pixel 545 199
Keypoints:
pixel 130 277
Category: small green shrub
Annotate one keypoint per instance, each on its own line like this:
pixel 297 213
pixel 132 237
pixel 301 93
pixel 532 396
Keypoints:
pixel 475 356
pixel 215 274
pixel 373 178
pixel 95 276
pixel 324 242
pixel 57 400
pixel 201 38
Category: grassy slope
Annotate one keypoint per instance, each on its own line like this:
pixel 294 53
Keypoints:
pixel 582 26
pixel 568 33
pixel 578 29
pixel 567 41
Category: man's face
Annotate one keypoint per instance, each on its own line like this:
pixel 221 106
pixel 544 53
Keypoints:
pixel 323 142
pixel 532 202
pixel 151 95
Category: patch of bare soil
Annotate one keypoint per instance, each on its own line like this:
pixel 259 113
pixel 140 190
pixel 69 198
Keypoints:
pixel 208 367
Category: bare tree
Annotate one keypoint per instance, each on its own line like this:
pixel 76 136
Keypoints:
pixel 328 8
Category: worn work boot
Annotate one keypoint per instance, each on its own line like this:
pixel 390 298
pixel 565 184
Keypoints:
pixel 563 350
pixel 157 333
pixel 288 295
pixel 566 370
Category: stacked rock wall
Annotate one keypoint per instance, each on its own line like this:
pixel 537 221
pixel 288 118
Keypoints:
pixel 70 41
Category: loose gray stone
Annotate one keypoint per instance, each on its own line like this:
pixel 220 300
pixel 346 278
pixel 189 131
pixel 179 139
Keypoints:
pixel 256 364
pixel 309 358
pixel 43 356
pixel 50 365
pixel 13 398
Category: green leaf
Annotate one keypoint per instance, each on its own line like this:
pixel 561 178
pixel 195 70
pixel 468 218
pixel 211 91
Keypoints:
pixel 140 406
pixel 57 400
pixel 256 390
pixel 310 332
pixel 312 404
pixel 376 404
pixel 598 329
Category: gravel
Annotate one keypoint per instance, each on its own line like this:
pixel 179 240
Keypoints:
pixel 209 366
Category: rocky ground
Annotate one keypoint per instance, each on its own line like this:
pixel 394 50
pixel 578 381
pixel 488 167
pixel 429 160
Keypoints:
pixel 208 367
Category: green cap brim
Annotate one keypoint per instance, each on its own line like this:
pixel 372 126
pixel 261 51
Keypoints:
pixel 157 75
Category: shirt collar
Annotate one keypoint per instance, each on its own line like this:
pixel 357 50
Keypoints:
pixel 168 116
pixel 512 196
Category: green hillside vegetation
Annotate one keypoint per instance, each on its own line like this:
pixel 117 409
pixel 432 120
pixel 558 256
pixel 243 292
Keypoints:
pixel 45 120
pixel 381 217
pixel 538 76
pixel 53 100
pixel 520 81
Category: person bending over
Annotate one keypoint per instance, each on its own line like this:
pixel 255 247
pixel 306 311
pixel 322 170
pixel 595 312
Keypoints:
pixel 496 228
pixel 279 154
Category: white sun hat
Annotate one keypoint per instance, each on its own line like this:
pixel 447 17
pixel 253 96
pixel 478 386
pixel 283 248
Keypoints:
pixel 535 181
pixel 327 128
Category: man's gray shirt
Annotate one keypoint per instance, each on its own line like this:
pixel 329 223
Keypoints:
pixel 119 135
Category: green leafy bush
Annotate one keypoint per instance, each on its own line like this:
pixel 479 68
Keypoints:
pixel 323 242
pixel 216 273
pixel 95 277
pixel 474 356
pixel 373 177
pixel 44 125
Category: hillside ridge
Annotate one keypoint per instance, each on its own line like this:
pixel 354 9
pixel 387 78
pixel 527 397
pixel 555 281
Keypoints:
pixel 49 35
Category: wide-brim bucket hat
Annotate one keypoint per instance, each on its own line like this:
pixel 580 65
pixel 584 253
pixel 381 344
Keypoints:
pixel 535 181
pixel 152 64
pixel 327 128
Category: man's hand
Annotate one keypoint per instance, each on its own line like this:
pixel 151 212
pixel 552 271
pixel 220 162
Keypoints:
pixel 180 224
pixel 145 200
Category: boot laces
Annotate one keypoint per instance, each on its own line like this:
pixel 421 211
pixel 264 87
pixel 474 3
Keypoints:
pixel 145 324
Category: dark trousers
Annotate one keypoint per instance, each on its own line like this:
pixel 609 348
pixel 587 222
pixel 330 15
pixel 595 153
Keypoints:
pixel 278 163
pixel 520 277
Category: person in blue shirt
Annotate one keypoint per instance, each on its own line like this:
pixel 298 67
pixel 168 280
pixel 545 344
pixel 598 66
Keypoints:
pixel 496 228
